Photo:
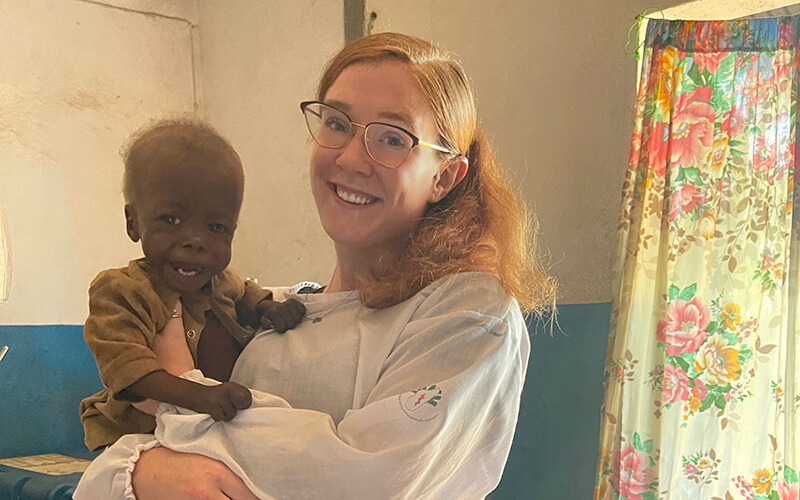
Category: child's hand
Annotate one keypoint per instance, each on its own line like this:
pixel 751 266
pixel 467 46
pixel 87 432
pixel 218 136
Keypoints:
pixel 281 315
pixel 222 401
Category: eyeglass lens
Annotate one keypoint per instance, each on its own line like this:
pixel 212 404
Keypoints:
pixel 331 128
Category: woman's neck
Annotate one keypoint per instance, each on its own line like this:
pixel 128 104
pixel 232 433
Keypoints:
pixel 341 281
pixel 352 264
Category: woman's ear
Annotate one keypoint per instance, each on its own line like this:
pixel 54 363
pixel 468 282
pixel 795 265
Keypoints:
pixel 444 181
pixel 130 223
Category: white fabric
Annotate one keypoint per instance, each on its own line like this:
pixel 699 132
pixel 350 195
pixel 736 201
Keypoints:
pixel 429 393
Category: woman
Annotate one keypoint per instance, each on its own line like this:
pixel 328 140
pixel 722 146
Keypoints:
pixel 405 380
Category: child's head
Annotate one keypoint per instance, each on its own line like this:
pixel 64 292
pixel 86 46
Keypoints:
pixel 183 189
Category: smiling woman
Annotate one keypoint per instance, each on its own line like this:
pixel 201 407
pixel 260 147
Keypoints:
pixel 410 387
pixel 472 218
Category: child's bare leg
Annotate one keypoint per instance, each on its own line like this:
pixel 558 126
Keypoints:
pixel 172 350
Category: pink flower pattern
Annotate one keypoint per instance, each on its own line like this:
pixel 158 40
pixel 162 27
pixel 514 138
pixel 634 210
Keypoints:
pixel 685 199
pixel 686 324
pixel 788 491
pixel 630 473
pixel 676 385
pixel 711 158
pixel 692 127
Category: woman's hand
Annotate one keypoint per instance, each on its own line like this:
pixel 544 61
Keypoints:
pixel 163 473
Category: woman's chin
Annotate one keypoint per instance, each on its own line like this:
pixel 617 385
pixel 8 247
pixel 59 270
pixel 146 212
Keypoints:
pixel 351 241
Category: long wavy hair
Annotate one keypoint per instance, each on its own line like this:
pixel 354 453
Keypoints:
pixel 483 224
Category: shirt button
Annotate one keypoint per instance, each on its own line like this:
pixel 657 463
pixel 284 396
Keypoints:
pixel 190 334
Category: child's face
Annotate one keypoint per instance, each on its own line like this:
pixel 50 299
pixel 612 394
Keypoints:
pixel 185 218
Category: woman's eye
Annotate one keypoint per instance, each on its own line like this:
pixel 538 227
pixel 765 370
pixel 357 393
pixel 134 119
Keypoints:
pixel 336 124
pixel 172 220
pixel 216 227
pixel 393 140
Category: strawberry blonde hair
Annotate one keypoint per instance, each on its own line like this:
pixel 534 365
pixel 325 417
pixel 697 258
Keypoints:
pixel 483 224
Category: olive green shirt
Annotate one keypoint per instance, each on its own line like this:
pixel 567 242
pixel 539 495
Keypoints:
pixel 128 307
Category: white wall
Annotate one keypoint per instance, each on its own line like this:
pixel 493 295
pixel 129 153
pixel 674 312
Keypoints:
pixel 259 60
pixel 76 79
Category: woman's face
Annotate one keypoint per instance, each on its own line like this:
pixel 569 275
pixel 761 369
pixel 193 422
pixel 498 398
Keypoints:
pixel 362 204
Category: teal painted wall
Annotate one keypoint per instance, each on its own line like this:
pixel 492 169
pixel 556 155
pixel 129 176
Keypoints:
pixel 49 369
pixel 555 447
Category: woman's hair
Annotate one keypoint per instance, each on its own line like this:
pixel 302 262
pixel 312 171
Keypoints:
pixel 482 224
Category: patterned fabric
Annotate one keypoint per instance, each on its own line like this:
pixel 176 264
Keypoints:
pixel 702 382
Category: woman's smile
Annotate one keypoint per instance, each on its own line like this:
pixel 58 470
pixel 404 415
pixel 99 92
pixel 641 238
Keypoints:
pixel 353 196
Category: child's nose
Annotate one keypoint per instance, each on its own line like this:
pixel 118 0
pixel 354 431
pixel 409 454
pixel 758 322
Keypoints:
pixel 194 239
pixel 195 243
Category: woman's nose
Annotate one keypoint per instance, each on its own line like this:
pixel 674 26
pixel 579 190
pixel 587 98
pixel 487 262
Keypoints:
pixel 353 156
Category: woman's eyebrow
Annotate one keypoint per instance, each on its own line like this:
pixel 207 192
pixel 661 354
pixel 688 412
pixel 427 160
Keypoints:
pixel 402 117
pixel 405 118
pixel 341 106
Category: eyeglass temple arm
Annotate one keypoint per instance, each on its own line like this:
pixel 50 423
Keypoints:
pixel 438 148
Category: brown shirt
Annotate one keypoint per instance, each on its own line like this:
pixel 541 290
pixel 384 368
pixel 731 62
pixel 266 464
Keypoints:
pixel 128 307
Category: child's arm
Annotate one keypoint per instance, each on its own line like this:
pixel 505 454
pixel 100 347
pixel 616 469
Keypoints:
pixel 173 352
pixel 256 307
pixel 221 401
pixel 171 348
pixel 280 315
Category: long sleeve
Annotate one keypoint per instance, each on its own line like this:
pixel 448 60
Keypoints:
pixel 232 293
pixel 124 316
pixel 438 423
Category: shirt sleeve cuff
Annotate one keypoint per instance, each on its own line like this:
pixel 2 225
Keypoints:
pixel 131 464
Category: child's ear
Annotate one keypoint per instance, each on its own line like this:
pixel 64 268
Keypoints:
pixel 130 223
pixel 447 179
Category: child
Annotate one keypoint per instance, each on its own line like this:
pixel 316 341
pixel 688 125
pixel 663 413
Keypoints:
pixel 183 190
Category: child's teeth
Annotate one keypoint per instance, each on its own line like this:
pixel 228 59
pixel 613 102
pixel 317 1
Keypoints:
pixel 353 198
pixel 184 272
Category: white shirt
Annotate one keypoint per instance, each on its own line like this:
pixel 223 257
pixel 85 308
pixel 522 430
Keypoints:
pixel 419 400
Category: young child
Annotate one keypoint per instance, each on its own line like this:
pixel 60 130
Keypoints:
pixel 183 190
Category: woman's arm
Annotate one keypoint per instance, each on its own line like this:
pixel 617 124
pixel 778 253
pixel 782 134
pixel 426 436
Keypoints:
pixel 163 473
pixel 159 473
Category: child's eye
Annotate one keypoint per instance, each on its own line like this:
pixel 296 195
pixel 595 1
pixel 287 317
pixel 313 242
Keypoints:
pixel 216 227
pixel 170 219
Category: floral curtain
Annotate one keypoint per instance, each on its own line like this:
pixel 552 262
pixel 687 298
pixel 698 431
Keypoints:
pixel 702 383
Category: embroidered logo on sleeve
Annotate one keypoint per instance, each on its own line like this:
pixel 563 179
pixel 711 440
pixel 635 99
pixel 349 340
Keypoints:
pixel 498 330
pixel 420 405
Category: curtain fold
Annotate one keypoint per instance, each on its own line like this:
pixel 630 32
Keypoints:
pixel 702 385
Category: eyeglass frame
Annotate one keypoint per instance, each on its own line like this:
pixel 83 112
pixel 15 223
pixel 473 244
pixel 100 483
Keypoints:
pixel 416 141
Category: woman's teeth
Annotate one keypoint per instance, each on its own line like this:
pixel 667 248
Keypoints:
pixel 356 199
pixel 184 272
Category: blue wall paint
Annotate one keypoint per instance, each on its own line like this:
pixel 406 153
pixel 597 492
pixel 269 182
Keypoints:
pixel 555 447
pixel 49 369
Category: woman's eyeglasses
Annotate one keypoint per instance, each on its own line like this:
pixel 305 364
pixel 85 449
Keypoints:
pixel 387 144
